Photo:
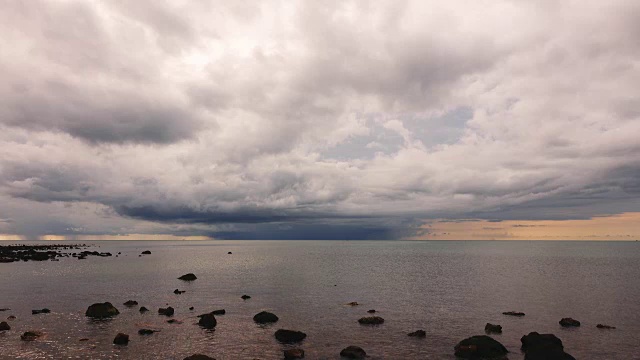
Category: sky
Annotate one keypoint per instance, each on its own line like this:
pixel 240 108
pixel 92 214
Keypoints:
pixel 320 120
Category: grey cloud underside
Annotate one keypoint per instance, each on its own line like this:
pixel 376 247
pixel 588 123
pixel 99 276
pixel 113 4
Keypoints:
pixel 314 120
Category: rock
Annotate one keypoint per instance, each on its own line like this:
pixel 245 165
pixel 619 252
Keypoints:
pixel 543 347
pixel 42 311
pixel 191 308
pixel 601 326
pixel 491 328
pixel 245 297
pixel 178 292
pixel 101 310
pixel 265 317
pixel 353 303
pixel 569 322
pixel 371 311
pixel 219 312
pixel 229 253
pixel 121 339
pixel 174 321
pixel 168 311
pixel 11 317
pixel 130 303
pixel 30 335
pixel 371 320
pixel 513 313
pixel 480 347
pixel 143 309
pixel 418 333
pixel 199 357
pixel 289 336
pixel 207 321
pixel 4 326
pixel 146 331
pixel 84 339
pixel 146 252
pixel 187 277
pixel 5 309
pixel 353 352
pixel 293 354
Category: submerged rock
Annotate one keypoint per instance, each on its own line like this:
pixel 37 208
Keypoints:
pixel 130 303
pixel 418 333
pixel 168 311
pixel 291 354
pixel 146 252
pixel 265 317
pixel 146 331
pixel 353 352
pixel 11 317
pixel 353 303
pixel 191 307
pixel 121 339
pixel 41 311
pixel 491 328
pixel 245 297
pixel 174 321
pixel 188 277
pixel 199 357
pixel 4 326
pixel 30 335
pixel 601 326
pixel 207 321
pixel 229 253
pixel 219 312
pixel 101 310
pixel 569 322
pixel 371 320
pixel 543 347
pixel 480 347
pixel 143 309
pixel 371 311
pixel 513 313
pixel 178 292
pixel 289 336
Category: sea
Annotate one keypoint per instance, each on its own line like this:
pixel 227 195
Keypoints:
pixel 450 289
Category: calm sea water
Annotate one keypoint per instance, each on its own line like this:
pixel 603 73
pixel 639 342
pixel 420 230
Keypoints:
pixel 449 289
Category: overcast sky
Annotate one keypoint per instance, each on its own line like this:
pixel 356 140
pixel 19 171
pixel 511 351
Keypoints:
pixel 315 120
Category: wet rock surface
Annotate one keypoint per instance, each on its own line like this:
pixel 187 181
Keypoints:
pixel 188 277
pixel 543 347
pixel 101 310
pixel 480 347
pixel 371 320
pixel 353 352
pixel 265 317
pixel 289 336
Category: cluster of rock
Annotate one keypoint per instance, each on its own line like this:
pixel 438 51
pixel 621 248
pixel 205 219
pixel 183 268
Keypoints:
pixel 11 253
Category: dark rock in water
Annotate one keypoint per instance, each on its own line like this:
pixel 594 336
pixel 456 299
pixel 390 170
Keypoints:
pixel 174 321
pixel 178 292
pixel 30 335
pixel 4 326
pixel 168 311
pixel 199 357
pixel 121 339
pixel 143 309
pixel 265 317
pixel 371 320
pixel 289 336
pixel 101 310
pixel 11 317
pixel 5 309
pixel 353 352
pixel 188 277
pixel 245 297
pixel 418 333
pixel 480 347
pixel 42 311
pixel 207 321
pixel 543 347
pixel 191 308
pixel 569 322
pixel 229 253
pixel 371 311
pixel 84 339
pixel 130 303
pixel 491 328
pixel 291 354
pixel 353 303
pixel 513 313
pixel 219 312
pixel 146 252
pixel 146 331
pixel 601 326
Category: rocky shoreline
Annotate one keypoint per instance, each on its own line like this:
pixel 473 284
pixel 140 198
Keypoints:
pixel 49 252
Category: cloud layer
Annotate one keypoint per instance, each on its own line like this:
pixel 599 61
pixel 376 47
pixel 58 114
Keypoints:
pixel 314 120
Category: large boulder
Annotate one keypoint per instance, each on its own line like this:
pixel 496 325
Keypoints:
pixel 493 329
pixel 101 310
pixel 480 347
pixel 4 326
pixel 199 357
pixel 207 321
pixel 121 339
pixel 543 347
pixel 291 354
pixel 265 317
pixel 353 352
pixel 569 322
pixel 371 320
pixel 188 277
pixel 289 336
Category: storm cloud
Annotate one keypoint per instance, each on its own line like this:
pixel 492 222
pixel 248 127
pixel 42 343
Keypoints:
pixel 274 119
